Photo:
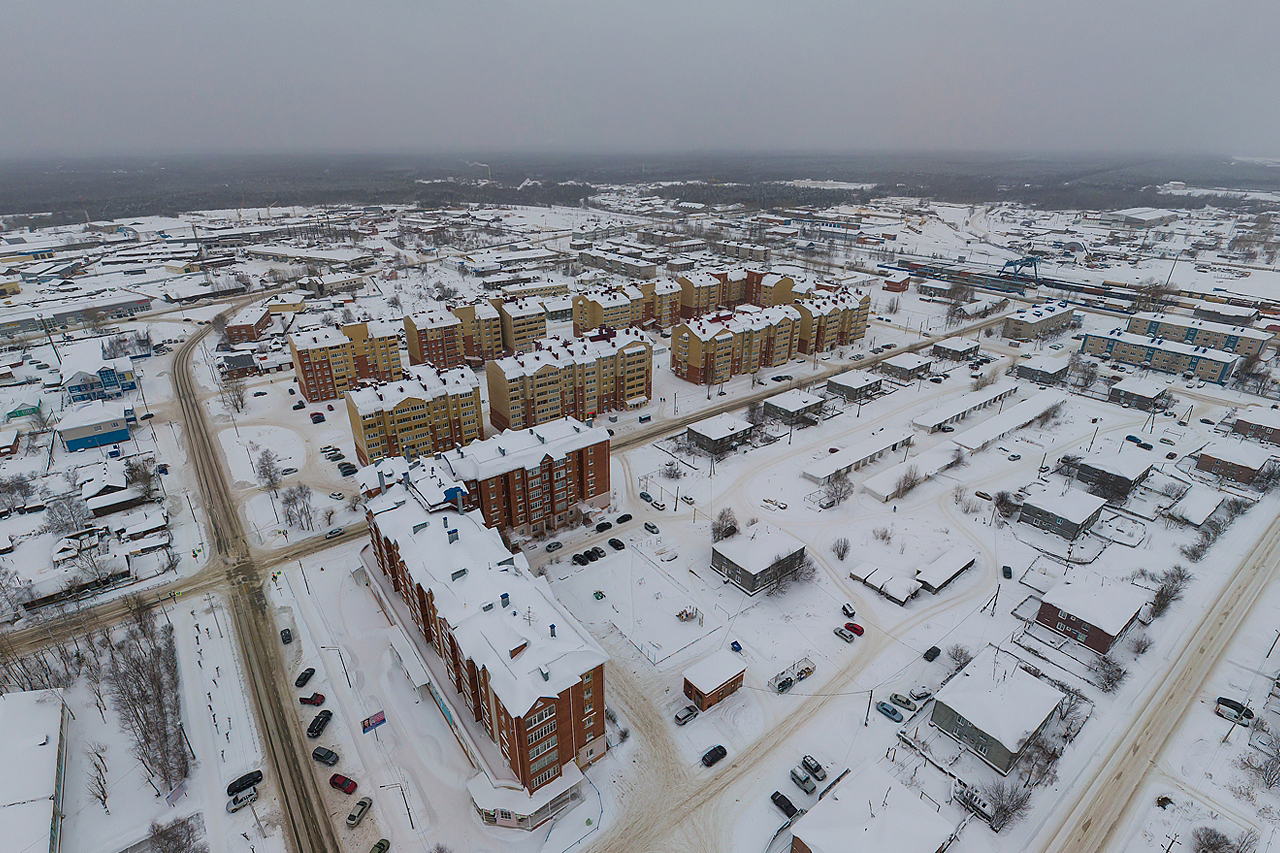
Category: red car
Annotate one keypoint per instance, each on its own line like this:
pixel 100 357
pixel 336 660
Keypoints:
pixel 342 783
pixel 854 627
pixel 313 699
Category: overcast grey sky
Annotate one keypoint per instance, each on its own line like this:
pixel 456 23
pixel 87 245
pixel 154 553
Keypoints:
pixel 142 76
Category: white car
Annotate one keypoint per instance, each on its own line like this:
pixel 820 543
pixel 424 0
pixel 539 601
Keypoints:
pixel 242 799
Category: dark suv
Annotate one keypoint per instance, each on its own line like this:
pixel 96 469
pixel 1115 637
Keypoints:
pixel 780 800
pixel 318 724
pixel 244 783
pixel 325 756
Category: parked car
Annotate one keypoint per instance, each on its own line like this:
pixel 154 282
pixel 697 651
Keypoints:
pixel 286 636
pixel 659 506
pixel 903 702
pixel 241 800
pixel 1133 438
pixel 285 472
pixel 259 393
pixel 814 769
pixel 361 808
pixel 936 380
pixel 714 754
pixel 651 527
pixel 784 805
pixel 845 634
pixel 931 653
pixel 983 495
pixel 1145 445
pixel 598 551
pixel 299 406
pixel 304 677
pixel 617 544
pixel 854 627
pixel 382 845
pixel 1007 571
pixel 318 724
pixel 889 711
pixel 1014 457
pixel 1167 440
pixel 847 610
pixel 603 526
pixel 1171 455
pixel 858 356
pixel 293 391
pixel 685 714
pixel 342 783
pixel 686 499
pixel 803 780
pixel 624 518
pixel 333 533
pixel 336 456
pixel 554 546
pixel 330 407
pixel 1208 421
pixel 317 417
pixel 920 693
pixel 325 756
pixel 314 699
pixel 590 556
pixel 1239 707
pixel 337 496
pixel 1231 714
pixel 244 783
pixel 946 428
pixel 646 497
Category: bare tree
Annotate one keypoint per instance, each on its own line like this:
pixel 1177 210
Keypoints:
pixel 1009 802
pixel 960 655
pixel 1108 673
pixel 838 487
pixel 297 506
pixel 15 491
pixel 181 836
pixel 15 590
pixel 393 301
pixel 218 323
pixel 140 473
pixel 97 784
pixel 672 470
pixel 267 467
pixel 1173 582
pixel 840 548
pixel 66 514
pixel 1206 839
pixel 724 526
pixel 232 391
pixel 42 420
pixel 803 571
pixel 909 480
pixel 348 316
pixel 755 413
pixel 93 319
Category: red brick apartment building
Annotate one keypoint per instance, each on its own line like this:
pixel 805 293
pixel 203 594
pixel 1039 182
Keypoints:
pixel 436 337
pixel 248 324
pixel 523 671
pixel 330 362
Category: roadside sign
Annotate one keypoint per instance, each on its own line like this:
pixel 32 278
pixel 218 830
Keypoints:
pixel 371 723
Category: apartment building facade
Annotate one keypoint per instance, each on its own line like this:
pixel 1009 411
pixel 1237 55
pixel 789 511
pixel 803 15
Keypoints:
pixel 521 670
pixel 1027 324
pixel 1241 340
pixel 427 411
pixel 330 362
pixel 662 302
pixel 434 337
pixel 713 349
pixel 615 307
pixel 481 331
pixel 523 321
pixel 535 480
pixel 702 293
pixel 248 324
pixel 829 320
pixel 605 370
pixel 1160 354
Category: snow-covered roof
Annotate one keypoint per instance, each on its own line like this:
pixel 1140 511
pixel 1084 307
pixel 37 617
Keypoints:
pixel 745 319
pixel 1197 504
pixel 965 403
pixel 86 357
pixel 719 426
pixel 871 810
pixel 316 338
pixel 1129 465
pixel 878 441
pixel 1184 322
pixel 1166 345
pixel 1247 455
pixel 525 448
pixel 854 380
pixel 952 562
pixel 1046 363
pixel 423 382
pixel 467 568
pixel 958 344
pixel 908 361
pixel 90 413
pixel 1147 389
pixel 434 318
pixel 999 698
pixel 1260 416
pixel 714 670
pixel 1105 605
pixel 433 483
pixel 794 401
pixel 1073 505
pixel 31 722
pixel 757 547
pixel 558 352
pixel 525 306
pixel 1003 423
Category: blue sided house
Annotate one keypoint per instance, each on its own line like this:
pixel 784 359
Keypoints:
pixel 87 375
pixel 93 424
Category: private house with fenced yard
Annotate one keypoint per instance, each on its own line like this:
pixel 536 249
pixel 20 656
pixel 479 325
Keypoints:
pixel 994 708
pixel 758 557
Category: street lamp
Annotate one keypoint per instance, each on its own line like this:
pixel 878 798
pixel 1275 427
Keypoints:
pixel 49 334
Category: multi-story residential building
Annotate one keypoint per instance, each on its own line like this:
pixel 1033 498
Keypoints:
pixel 1260 423
pixel 434 336
pixel 87 375
pixel 535 480
pixel 615 307
pixel 700 293
pixel 248 324
pixel 427 411
pixel 330 362
pixel 1221 312
pixel 704 292
pixel 523 322
pixel 829 320
pixel 521 671
pixel 1168 356
pixel 606 370
pixel 713 349
pixel 1240 340
pixel 662 302
pixel 481 331
pixel 621 264
pixel 1027 324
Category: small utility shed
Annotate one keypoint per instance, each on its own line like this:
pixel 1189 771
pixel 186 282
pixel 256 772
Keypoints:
pixel 994 708
pixel 755 558
pixel 1091 612
pixel 1068 515
pixel 906 366
pixel 870 810
pixel 942 571
pixel 793 406
pixel 719 434
pixel 715 677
